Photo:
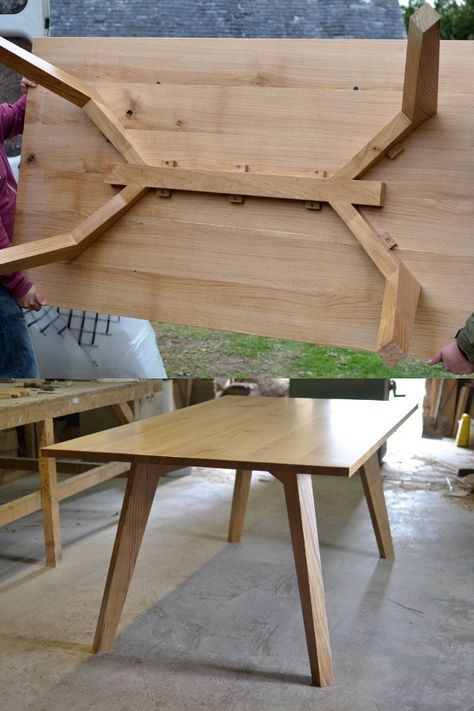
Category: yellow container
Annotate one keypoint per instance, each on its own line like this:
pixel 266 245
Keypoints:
pixel 463 435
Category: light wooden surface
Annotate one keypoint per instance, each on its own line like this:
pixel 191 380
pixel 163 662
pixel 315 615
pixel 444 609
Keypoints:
pixel 291 438
pixel 141 486
pixel 373 489
pixel 239 504
pixel 304 538
pixel 48 480
pixel 420 90
pixel 280 106
pixel 78 396
pixel 293 434
pixel 42 407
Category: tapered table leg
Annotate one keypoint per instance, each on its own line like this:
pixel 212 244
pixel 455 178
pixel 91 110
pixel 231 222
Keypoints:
pixel 239 504
pixel 304 538
pixel 373 490
pixel 141 486
pixel 49 495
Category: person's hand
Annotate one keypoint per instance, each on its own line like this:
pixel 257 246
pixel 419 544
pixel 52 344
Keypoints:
pixel 33 299
pixel 452 360
pixel 25 84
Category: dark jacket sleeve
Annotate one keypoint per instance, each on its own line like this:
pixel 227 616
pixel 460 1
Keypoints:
pixel 465 339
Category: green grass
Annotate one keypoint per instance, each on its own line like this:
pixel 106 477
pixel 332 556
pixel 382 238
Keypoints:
pixel 202 352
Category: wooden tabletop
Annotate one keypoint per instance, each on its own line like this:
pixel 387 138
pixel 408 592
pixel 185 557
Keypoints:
pixel 280 106
pixel 66 398
pixel 315 436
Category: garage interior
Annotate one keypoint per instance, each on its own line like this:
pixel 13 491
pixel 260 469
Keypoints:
pixel 208 624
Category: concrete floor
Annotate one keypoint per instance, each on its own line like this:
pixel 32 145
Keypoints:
pixel 217 626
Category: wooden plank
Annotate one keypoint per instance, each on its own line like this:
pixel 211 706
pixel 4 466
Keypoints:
pixel 373 489
pixel 402 292
pixel 304 539
pixel 19 508
pixel 256 184
pixel 89 478
pixel 393 132
pixel 239 505
pixel 30 464
pixel 70 246
pixel 107 215
pixel 421 205
pixel 41 251
pixel 72 398
pixel 139 494
pixel 295 434
pixel 123 413
pixel 420 89
pixel 59 82
pixel 49 495
pixel 366 235
pixel 109 125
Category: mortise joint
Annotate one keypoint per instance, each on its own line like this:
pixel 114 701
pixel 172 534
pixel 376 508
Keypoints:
pixel 239 168
pixel 314 204
pixel 395 151
pixel 388 240
pixel 166 192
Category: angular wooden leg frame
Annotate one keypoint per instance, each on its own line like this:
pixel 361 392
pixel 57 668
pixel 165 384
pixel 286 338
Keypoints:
pixel 304 538
pixel 342 191
pixel 141 486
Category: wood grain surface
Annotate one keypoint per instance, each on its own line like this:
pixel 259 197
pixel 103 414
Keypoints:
pixel 269 267
pixel 282 434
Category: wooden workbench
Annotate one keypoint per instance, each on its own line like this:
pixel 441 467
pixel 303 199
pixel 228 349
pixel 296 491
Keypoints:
pixel 42 407
pixel 263 266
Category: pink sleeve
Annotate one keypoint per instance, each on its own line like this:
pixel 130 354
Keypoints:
pixel 15 283
pixel 12 118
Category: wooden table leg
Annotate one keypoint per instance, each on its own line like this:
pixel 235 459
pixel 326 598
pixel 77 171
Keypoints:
pixel 239 504
pixel 141 486
pixel 373 490
pixel 304 538
pixel 49 495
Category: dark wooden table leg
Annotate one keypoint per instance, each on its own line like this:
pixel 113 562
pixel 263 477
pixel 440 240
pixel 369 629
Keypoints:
pixel 141 486
pixel 373 490
pixel 304 538
pixel 239 504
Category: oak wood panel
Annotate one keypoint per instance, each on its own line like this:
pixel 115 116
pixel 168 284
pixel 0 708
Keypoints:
pixel 249 184
pixel 141 486
pixel 48 479
pixel 304 539
pixel 294 434
pixel 427 185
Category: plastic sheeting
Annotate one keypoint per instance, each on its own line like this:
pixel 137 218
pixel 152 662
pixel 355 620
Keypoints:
pixel 70 343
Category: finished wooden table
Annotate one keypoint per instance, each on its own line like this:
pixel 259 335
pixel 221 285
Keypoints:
pixel 41 407
pixel 292 438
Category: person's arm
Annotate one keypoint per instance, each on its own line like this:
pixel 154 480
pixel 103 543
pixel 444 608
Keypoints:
pixel 23 291
pixel 457 356
pixel 12 118
pixel 465 339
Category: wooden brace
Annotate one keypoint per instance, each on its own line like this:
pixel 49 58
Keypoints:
pixel 342 191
